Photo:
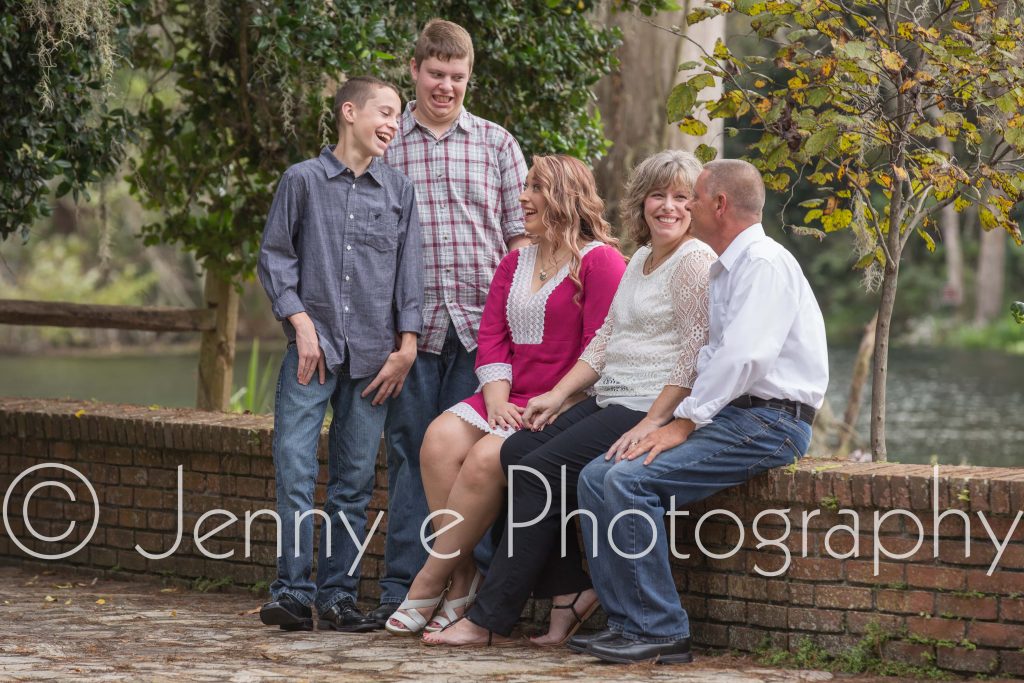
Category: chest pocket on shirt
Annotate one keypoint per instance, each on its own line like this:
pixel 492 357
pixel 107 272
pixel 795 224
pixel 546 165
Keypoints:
pixel 380 230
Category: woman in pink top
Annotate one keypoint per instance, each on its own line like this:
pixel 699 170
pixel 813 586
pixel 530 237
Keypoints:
pixel 545 304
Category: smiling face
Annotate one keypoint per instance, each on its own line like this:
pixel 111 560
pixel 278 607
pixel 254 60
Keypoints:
pixel 374 125
pixel 440 89
pixel 534 205
pixel 666 214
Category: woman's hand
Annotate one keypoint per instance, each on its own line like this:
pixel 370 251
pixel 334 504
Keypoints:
pixel 631 438
pixel 505 415
pixel 542 410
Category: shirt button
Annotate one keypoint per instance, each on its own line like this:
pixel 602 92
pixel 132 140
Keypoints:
pixel 346 278
pixel 350 216
pixel 346 309
pixel 349 247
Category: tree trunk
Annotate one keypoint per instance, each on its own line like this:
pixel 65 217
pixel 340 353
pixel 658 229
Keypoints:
pixel 949 222
pixel 632 99
pixel 991 281
pixel 217 348
pixel 861 366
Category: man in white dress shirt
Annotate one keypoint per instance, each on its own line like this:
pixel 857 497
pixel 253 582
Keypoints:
pixel 760 380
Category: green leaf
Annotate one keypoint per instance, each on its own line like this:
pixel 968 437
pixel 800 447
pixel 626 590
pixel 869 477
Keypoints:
pixel 688 66
pixel 820 140
pixel 705 153
pixel 680 101
pixel 701 81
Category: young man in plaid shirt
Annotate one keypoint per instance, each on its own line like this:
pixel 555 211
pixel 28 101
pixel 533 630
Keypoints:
pixel 468 173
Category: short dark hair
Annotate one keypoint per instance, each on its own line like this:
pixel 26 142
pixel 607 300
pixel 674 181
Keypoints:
pixel 358 90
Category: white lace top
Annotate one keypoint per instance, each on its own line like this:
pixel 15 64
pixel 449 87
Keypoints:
pixel 655 328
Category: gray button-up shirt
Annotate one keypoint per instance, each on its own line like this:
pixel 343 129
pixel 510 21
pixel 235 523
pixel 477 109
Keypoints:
pixel 347 251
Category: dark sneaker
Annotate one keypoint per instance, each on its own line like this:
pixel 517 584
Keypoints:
pixel 288 613
pixel 346 617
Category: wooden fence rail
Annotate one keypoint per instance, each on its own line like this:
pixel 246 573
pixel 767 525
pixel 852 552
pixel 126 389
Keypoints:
pixel 62 314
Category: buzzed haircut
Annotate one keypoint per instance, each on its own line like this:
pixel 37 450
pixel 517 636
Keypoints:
pixel 358 90
pixel 444 40
pixel 739 181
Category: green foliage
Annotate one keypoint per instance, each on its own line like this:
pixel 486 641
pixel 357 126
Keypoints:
pixel 55 123
pixel 1017 311
pixel 860 91
pixel 242 91
pixel 1002 334
pixel 254 396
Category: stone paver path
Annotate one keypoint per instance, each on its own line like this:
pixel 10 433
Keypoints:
pixel 65 627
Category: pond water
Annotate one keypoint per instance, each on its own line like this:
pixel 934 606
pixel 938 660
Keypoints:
pixel 960 407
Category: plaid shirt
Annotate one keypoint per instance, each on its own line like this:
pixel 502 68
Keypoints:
pixel 467 183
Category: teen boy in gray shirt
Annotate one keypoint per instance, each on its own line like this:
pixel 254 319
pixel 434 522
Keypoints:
pixel 342 264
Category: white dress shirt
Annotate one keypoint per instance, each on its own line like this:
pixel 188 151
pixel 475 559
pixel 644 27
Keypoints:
pixel 767 335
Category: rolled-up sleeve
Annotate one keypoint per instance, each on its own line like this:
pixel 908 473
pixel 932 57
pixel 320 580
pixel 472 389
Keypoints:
pixel 409 278
pixel 278 263
pixel 512 166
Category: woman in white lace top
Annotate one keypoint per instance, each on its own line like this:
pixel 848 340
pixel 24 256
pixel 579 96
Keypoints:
pixel 639 366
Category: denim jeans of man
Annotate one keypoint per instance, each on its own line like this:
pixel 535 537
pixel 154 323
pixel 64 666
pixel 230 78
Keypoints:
pixel 353 441
pixel 633 577
pixel 435 383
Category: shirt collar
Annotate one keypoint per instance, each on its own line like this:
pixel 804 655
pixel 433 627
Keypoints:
pixel 334 167
pixel 740 244
pixel 463 121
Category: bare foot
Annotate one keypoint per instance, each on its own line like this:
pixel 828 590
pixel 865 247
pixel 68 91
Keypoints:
pixel 563 620
pixel 465 632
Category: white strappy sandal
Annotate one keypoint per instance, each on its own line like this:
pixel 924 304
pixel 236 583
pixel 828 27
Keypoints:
pixel 446 616
pixel 409 617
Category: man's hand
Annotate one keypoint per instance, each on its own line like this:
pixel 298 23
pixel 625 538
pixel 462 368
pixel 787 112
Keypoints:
pixel 541 410
pixel 311 356
pixel 662 439
pixel 389 381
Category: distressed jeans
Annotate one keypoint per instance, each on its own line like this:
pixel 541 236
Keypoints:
pixel 353 441
pixel 633 578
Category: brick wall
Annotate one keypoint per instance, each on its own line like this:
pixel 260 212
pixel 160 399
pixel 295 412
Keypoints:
pixel 948 610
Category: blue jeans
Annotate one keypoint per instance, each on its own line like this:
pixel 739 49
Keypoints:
pixel 639 593
pixel 353 441
pixel 435 383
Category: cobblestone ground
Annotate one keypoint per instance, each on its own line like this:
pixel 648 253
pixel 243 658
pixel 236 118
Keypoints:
pixel 66 627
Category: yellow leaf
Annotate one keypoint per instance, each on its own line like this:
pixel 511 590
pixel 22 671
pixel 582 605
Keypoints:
pixel 101 601
pixel 760 83
pixel 68 601
pixel 80 412
pixel 893 61
pixel 907 85
pixel 174 613
pixel 49 598
pixel 900 173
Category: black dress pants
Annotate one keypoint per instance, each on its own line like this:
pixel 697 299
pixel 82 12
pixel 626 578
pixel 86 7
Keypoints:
pixel 537 565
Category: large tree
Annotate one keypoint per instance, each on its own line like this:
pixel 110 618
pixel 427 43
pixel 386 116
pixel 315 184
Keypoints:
pixel 860 93
pixel 56 128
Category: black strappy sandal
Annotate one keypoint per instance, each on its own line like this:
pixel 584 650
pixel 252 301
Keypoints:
pixel 490 638
pixel 580 618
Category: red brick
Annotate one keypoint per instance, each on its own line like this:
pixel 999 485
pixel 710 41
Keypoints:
pixel 936 577
pixel 746 587
pixel 911 653
pixel 966 607
pixel 1013 663
pixel 905 601
pixel 860 571
pixel 843 597
pixel 995 634
pixel 860 622
pixel 1005 583
pixel 727 610
pixel 711 635
pixel 1011 609
pixel 964 659
pixel 771 616
pixel 820 620
pixel 816 569
pixel 936 627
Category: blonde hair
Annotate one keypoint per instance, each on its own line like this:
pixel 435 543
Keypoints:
pixel 444 40
pixel 657 171
pixel 575 213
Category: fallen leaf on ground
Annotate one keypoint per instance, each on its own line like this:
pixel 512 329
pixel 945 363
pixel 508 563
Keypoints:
pixel 101 601
pixel 254 610
pixel 168 590
pixel 174 613
pixel 49 598
pixel 62 585
pixel 32 581
pixel 68 601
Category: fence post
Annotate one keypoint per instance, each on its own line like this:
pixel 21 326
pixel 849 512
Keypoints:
pixel 217 348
